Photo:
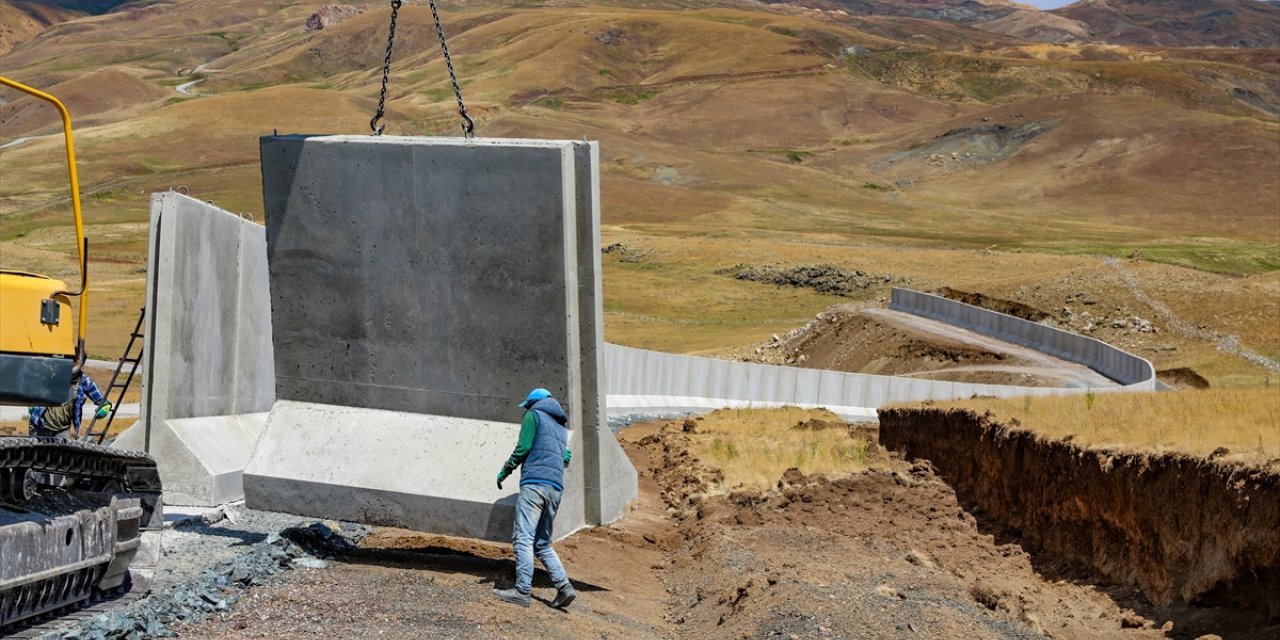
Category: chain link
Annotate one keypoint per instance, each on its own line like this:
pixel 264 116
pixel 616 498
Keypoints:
pixel 386 71
pixel 468 125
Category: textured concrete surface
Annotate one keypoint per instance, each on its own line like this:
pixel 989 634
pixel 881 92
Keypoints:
pixel 207 366
pixel 395 468
pixel 418 279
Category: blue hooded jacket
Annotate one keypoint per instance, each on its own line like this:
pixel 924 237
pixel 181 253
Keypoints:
pixel 547 452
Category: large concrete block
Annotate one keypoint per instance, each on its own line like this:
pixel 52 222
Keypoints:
pixel 208 374
pixel 420 280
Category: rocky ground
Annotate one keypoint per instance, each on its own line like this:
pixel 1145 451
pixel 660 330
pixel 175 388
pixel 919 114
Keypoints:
pixel 881 554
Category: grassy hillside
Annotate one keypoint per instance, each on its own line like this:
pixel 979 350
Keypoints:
pixel 728 137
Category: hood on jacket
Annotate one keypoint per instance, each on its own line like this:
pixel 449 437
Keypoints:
pixel 552 408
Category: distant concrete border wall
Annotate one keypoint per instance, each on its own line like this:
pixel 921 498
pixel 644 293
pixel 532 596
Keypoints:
pixel 651 382
pixel 1133 372
pixel 208 377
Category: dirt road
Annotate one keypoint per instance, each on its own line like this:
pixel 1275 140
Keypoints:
pixel 882 554
pixel 887 342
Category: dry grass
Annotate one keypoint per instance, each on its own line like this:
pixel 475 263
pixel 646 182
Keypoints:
pixel 754 447
pixel 688 171
pixel 1245 422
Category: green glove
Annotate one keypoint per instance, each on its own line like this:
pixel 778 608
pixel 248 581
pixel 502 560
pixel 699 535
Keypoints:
pixel 502 475
pixel 104 409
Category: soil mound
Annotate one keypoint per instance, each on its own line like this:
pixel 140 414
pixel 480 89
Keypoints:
pixel 855 340
pixel 823 278
pixel 1182 378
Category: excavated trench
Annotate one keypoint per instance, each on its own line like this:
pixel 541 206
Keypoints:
pixel 1184 530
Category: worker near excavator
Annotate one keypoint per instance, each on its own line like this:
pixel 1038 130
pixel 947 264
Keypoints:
pixel 63 420
pixel 542 453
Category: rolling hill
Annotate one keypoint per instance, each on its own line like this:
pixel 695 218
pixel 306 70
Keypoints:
pixel 789 129
pixel 1179 23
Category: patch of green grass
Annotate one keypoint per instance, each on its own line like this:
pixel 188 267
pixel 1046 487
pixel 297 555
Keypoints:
pixel 796 157
pixel 987 88
pixel 438 95
pixel 730 19
pixel 635 96
pixel 178 99
pixel 550 102
pixel 1212 255
pixel 875 187
pixel 602 71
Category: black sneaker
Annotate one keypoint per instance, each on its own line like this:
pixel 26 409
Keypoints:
pixel 512 596
pixel 564 596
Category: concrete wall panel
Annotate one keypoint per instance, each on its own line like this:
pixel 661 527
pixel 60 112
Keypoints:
pixel 207 349
pixel 443 279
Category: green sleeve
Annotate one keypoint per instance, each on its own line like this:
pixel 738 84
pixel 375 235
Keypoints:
pixel 528 428
pixel 567 456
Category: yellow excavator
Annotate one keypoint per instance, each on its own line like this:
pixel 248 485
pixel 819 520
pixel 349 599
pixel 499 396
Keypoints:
pixel 74 516
pixel 41 351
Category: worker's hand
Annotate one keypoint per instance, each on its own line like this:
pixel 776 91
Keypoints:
pixel 104 409
pixel 501 476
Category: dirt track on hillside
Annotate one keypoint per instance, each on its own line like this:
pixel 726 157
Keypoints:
pixel 886 342
pixel 882 554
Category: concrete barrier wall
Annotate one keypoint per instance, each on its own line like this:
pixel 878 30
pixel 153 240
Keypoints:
pixel 208 375
pixel 1129 370
pixel 641 381
pixel 430 283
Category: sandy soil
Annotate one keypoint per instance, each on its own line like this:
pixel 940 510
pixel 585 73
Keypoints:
pixel 882 554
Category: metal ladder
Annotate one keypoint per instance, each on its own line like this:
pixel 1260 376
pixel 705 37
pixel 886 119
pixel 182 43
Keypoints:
pixel 95 434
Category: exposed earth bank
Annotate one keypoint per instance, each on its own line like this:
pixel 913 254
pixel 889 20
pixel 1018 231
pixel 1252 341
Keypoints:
pixel 881 554
pixel 1180 528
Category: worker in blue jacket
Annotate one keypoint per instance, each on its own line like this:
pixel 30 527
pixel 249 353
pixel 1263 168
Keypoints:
pixel 63 420
pixel 542 453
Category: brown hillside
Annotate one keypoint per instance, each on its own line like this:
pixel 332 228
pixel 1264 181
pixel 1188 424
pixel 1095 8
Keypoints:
pixel 21 21
pixel 1037 26
pixel 1173 23
pixel 113 93
pixel 748 134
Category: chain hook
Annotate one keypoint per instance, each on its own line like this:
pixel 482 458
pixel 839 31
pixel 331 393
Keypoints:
pixel 468 125
pixel 386 72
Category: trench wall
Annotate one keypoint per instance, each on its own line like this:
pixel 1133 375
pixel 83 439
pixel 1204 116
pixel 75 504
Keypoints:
pixel 1177 527
pixel 1133 372
pixel 208 376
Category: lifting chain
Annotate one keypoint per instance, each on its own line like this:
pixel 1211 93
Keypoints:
pixel 468 125
pixel 386 71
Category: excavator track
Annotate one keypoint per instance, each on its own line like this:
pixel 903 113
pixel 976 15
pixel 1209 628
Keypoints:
pixel 79 527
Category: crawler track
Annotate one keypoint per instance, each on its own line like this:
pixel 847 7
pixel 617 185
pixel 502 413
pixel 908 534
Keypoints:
pixel 74 517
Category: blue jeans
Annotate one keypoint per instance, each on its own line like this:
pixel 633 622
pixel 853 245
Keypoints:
pixel 535 514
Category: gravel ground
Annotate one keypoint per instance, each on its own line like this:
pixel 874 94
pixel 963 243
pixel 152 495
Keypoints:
pixel 207 568
pixel 187 550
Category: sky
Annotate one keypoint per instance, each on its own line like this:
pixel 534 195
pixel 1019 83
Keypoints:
pixel 1047 4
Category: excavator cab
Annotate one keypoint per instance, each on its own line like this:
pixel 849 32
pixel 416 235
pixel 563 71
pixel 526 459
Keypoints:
pixel 41 348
